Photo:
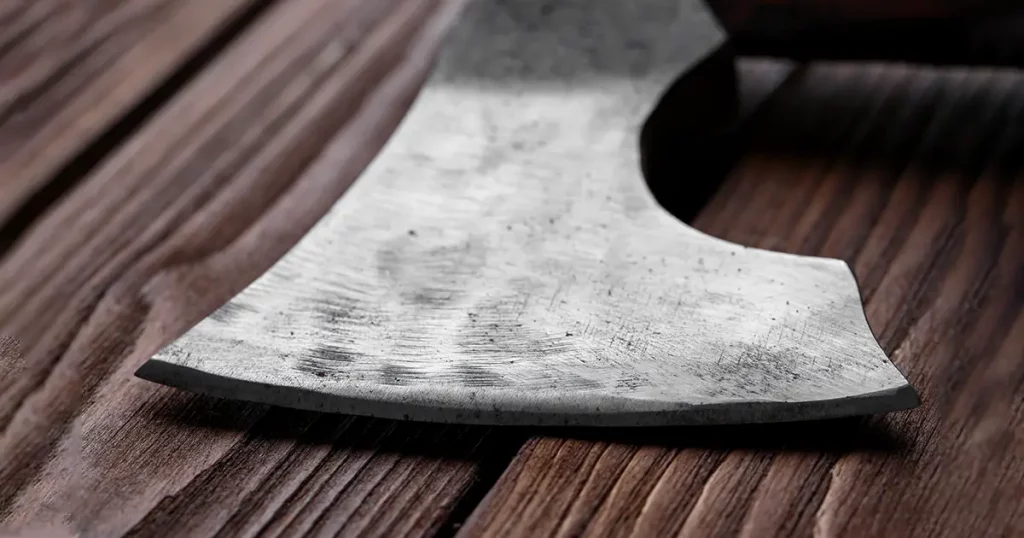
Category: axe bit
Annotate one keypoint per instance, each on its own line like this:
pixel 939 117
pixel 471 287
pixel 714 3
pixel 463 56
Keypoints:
pixel 502 261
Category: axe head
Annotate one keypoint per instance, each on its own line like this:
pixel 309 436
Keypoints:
pixel 501 261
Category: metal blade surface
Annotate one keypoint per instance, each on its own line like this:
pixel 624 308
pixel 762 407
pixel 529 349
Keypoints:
pixel 502 261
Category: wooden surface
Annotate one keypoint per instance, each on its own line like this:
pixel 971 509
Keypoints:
pixel 913 176
pixel 71 71
pixel 221 182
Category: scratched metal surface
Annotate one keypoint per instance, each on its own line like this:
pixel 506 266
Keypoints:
pixel 502 260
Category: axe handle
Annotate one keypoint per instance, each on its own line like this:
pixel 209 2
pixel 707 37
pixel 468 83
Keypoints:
pixel 941 32
pixel 741 14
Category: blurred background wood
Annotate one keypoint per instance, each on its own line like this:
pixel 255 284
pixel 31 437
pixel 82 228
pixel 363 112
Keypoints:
pixel 72 72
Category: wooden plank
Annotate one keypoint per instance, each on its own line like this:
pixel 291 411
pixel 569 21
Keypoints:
pixel 915 177
pixel 208 195
pixel 70 70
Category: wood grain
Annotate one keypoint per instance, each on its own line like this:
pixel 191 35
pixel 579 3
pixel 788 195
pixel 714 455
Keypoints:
pixel 915 177
pixel 208 194
pixel 71 70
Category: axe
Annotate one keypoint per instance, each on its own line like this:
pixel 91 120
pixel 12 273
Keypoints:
pixel 503 261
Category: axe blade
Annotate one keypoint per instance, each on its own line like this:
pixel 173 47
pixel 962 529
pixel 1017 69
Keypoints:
pixel 502 261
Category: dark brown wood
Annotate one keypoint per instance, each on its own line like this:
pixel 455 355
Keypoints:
pixel 70 70
pixel 915 177
pixel 207 195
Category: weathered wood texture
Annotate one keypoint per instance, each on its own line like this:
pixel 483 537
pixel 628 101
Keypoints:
pixel 70 70
pixel 915 177
pixel 207 195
